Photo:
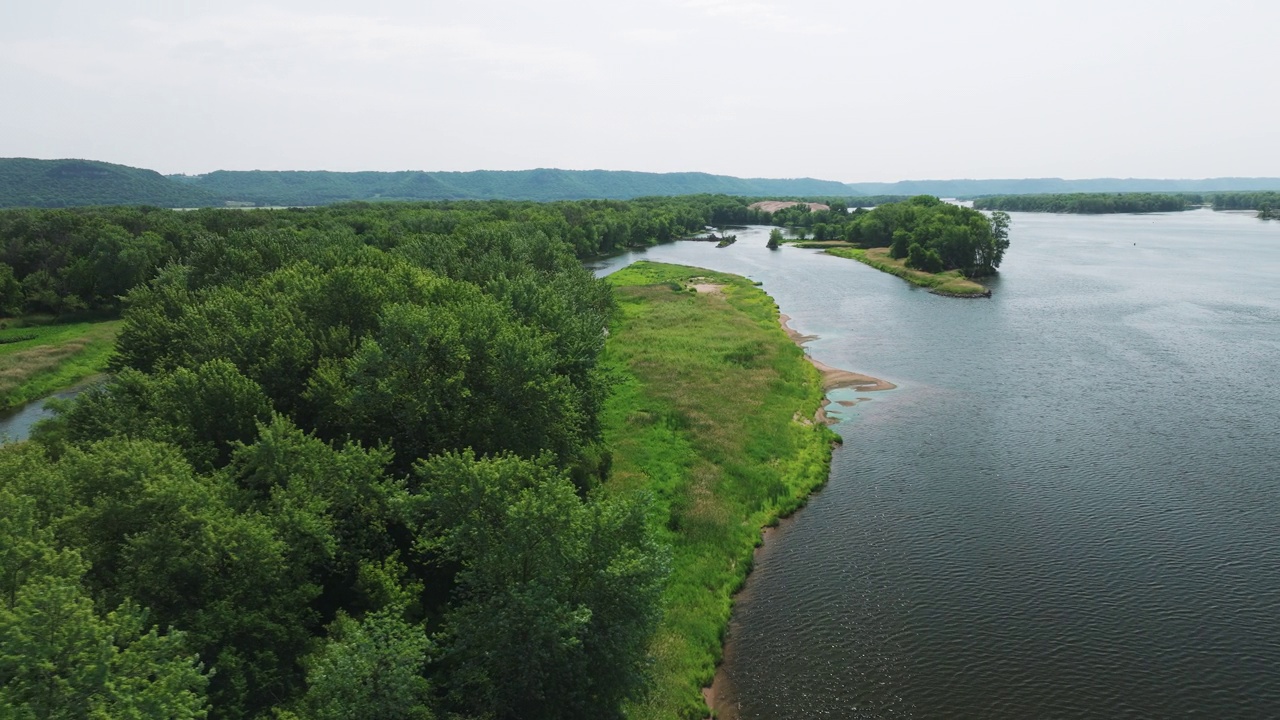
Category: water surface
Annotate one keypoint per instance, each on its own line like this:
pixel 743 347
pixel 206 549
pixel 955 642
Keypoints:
pixel 1069 508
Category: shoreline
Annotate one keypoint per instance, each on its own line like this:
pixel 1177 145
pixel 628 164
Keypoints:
pixel 706 350
pixel 948 283
pixel 716 694
pixel 833 378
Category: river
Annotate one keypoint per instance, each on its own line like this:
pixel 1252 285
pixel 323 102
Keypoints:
pixel 16 424
pixel 1070 507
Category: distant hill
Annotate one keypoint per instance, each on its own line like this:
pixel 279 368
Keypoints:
pixel 1040 186
pixel 269 187
pixel 69 183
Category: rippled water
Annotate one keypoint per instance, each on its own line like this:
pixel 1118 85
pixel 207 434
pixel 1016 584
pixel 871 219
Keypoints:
pixel 1069 508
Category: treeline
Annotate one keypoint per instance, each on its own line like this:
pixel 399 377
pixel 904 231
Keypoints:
pixel 966 189
pixel 81 262
pixel 1091 203
pixel 1266 203
pixel 931 234
pixel 346 466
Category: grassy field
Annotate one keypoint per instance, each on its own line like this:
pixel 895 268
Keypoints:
pixel 951 282
pixel 37 361
pixel 712 418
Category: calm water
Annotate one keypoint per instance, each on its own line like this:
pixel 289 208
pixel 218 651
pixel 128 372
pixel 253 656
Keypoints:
pixel 16 424
pixel 1069 508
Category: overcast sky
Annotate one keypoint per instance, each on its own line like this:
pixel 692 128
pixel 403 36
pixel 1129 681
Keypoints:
pixel 851 91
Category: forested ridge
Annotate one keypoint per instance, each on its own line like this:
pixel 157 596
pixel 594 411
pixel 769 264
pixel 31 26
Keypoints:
pixel 544 184
pixel 25 182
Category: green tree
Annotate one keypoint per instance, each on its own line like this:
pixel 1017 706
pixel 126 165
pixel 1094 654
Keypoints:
pixel 775 239
pixel 371 669
pixel 60 658
pixel 556 596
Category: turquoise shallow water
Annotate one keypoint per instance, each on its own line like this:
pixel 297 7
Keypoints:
pixel 1069 508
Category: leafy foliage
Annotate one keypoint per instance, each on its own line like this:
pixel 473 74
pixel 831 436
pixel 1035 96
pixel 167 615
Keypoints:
pixel 1090 203
pixel 350 455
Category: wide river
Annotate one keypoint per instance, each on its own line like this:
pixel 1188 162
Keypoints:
pixel 1069 508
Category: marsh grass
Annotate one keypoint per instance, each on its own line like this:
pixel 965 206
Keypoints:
pixel 708 417
pixel 952 282
pixel 43 359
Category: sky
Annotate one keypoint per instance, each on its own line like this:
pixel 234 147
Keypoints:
pixel 837 90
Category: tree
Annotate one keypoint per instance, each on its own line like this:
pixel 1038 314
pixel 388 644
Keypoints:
pixel 370 669
pixel 921 259
pixel 555 596
pixel 61 658
pixel 775 239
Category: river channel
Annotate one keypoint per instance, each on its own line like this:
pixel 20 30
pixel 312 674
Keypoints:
pixel 1069 508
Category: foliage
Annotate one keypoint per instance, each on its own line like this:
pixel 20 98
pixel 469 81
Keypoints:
pixel 950 283
pixel 303 406
pixel 1090 203
pixel 59 655
pixel 1264 202
pixel 775 239
pixel 555 596
pixel 961 238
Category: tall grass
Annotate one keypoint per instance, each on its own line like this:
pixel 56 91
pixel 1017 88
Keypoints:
pixel 704 418
pixel 38 360
pixel 952 282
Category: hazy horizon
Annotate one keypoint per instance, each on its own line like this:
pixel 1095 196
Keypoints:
pixel 990 89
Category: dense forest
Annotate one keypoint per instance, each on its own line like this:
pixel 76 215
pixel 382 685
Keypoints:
pixel 82 262
pixel 346 466
pixel 1090 203
pixel 349 459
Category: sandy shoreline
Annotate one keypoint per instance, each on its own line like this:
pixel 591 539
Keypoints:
pixel 832 377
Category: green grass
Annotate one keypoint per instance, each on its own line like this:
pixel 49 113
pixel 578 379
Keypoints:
pixel 38 360
pixel 711 418
pixel 820 244
pixel 951 283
